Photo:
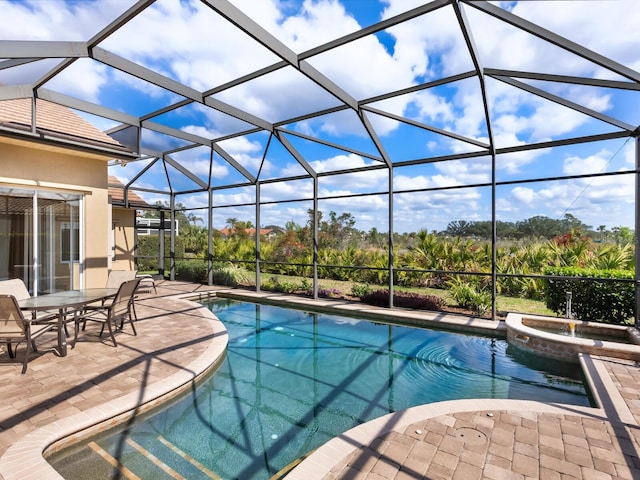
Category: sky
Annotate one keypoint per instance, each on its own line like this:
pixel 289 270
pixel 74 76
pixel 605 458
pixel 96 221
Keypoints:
pixel 190 43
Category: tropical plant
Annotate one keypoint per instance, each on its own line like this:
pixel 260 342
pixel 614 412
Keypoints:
pixel 470 295
pixel 613 257
pixel 232 275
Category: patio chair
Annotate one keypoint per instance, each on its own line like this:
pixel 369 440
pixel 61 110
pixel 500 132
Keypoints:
pixel 14 328
pixel 18 289
pixel 114 280
pixel 15 287
pixel 118 277
pixel 121 309
pixel 147 282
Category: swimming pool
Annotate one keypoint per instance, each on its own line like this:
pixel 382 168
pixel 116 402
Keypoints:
pixel 293 379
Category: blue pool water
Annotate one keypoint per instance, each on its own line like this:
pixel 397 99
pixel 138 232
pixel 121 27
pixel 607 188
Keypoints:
pixel 293 379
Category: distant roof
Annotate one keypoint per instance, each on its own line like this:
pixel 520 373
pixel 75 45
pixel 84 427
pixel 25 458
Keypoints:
pixel 55 120
pixel 116 194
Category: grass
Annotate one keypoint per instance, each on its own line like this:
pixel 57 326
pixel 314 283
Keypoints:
pixel 503 303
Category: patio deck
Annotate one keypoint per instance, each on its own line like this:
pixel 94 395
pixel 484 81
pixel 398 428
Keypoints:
pixel 464 439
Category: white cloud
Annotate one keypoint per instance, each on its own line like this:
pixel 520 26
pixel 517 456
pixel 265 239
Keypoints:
pixel 599 201
pixel 56 19
pixel 286 190
pixel 84 79
pixel 593 164
pixel 339 162
pixel 324 19
pixel 434 108
pixel 513 162
pixel 614 29
pixel 523 194
pixel 369 181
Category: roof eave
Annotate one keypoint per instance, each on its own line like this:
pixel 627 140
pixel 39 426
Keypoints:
pixel 42 138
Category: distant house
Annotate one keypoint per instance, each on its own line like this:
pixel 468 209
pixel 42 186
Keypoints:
pixel 55 219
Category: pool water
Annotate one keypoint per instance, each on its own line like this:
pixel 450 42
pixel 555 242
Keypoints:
pixel 293 380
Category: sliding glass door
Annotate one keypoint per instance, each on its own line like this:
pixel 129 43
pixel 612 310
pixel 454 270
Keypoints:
pixel 40 239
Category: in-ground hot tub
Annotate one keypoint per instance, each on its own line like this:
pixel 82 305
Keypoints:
pixel 564 339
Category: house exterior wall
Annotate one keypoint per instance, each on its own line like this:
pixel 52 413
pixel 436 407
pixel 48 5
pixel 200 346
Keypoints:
pixel 35 166
pixel 124 239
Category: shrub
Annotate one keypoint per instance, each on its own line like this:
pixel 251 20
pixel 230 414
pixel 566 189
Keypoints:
pixel 404 299
pixel 602 301
pixel 192 271
pixel 275 285
pixel 360 290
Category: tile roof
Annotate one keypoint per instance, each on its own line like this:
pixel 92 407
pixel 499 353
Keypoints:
pixel 116 194
pixel 55 121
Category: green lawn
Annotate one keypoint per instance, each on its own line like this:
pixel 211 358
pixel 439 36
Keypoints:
pixel 503 303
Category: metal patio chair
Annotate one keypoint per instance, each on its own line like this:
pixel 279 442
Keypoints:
pixel 114 280
pixel 14 328
pixel 121 309
pixel 18 289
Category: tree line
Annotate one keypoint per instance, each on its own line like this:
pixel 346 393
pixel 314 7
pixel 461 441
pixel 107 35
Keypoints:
pixel 459 259
pixel 339 231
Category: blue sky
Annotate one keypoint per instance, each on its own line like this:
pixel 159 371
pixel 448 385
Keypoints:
pixel 188 42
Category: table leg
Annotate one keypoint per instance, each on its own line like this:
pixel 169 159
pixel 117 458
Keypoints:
pixel 62 336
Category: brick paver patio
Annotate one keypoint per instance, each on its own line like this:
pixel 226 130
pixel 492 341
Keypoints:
pixel 464 439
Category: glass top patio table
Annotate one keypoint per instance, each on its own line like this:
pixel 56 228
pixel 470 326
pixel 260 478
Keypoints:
pixel 64 300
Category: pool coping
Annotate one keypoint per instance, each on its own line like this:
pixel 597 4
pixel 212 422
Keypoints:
pixel 25 459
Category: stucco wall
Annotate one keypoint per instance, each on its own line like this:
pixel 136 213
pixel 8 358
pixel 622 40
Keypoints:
pixel 40 167
pixel 124 252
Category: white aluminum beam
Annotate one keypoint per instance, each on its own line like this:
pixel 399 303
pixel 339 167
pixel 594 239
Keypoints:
pixel 14 92
pixel 299 158
pixel 178 166
pixel 87 107
pixel 175 132
pixel 144 73
pixel 567 103
pixel 16 62
pixel 423 126
pixel 548 77
pixel 232 161
pixel 555 39
pixel 42 49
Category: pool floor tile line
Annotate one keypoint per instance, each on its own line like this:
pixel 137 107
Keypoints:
pixel 460 439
